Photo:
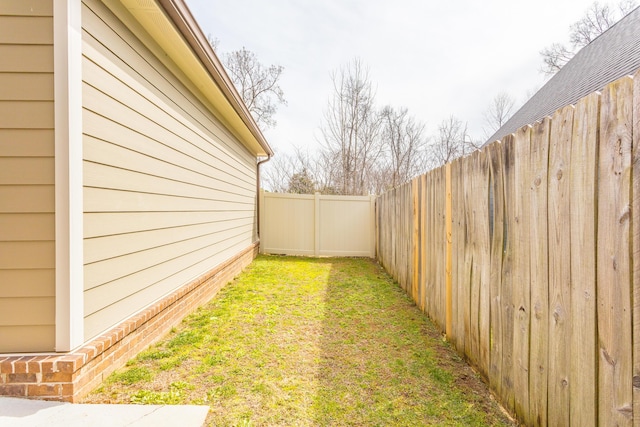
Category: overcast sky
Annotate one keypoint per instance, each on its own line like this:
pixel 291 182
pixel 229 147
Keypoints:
pixel 436 58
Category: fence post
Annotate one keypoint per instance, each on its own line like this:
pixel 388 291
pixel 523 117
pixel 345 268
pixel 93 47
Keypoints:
pixel 415 239
pixel 316 221
pixel 372 227
pixel 635 233
pixel 448 228
pixel 261 214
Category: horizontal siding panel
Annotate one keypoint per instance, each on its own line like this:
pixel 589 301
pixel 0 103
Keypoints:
pixel 105 200
pixel 104 176
pixel 157 111
pixel 108 315
pixel 27 339
pixel 27 142
pixel 102 248
pixel 27 283
pixel 26 255
pixel 101 273
pixel 106 153
pixel 26 114
pixel 27 170
pixel 26 29
pixel 26 86
pixel 27 311
pixel 107 224
pixel 28 59
pixel 123 147
pixel 27 198
pixel 98 102
pixel 27 226
pixel 26 7
pixel 27 229
pixel 146 70
pixel 169 193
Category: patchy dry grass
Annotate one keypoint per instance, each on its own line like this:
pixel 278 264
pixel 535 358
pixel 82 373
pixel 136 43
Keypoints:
pixel 297 341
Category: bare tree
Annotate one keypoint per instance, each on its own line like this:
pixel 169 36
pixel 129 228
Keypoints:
pixel 404 144
pixel 300 172
pixel 214 42
pixel 277 173
pixel 597 19
pixel 350 130
pixel 451 142
pixel 258 85
pixel 498 113
pixel 554 57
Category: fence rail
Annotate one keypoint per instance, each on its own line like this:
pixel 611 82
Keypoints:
pixel 527 253
pixel 317 225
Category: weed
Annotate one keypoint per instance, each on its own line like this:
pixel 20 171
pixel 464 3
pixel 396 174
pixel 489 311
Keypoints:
pixel 152 355
pixel 131 376
pixel 188 337
pixel 172 397
pixel 171 363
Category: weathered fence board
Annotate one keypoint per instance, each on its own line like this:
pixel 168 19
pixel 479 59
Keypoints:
pixel 635 225
pixel 424 256
pixel 448 231
pixel 541 289
pixel 417 234
pixel 584 149
pixel 465 261
pixel 470 260
pixel 559 264
pixel 439 239
pixel 497 230
pixel 457 253
pixel 539 274
pixel 483 256
pixel 521 273
pixel 506 288
pixel 614 263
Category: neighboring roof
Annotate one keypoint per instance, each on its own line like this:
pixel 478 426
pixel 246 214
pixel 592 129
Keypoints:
pixel 612 55
pixel 173 27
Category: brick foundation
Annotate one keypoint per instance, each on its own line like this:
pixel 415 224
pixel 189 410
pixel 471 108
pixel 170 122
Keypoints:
pixel 70 376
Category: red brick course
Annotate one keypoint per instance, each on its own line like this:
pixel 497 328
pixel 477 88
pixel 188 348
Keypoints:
pixel 70 376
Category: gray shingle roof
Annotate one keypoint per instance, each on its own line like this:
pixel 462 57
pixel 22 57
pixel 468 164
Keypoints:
pixel 612 55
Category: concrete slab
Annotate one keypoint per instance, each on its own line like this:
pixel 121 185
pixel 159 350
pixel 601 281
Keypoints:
pixel 15 412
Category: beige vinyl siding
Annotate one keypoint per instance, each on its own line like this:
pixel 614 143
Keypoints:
pixel 169 193
pixel 27 223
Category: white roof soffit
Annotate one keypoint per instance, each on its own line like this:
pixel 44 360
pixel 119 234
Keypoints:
pixel 172 26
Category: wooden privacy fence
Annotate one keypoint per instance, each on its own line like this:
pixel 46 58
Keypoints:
pixel 537 282
pixel 316 225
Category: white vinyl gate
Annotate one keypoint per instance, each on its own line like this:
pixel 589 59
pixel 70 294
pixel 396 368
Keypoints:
pixel 317 225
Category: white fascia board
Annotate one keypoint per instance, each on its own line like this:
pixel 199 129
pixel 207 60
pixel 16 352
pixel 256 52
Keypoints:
pixel 67 46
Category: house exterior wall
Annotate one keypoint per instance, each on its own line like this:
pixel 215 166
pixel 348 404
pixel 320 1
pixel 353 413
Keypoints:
pixel 27 222
pixel 71 376
pixel 169 193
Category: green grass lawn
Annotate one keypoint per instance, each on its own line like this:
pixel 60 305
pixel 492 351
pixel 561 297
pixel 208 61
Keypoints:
pixel 300 341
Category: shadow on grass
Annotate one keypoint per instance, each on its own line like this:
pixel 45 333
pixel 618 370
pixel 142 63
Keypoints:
pixel 384 363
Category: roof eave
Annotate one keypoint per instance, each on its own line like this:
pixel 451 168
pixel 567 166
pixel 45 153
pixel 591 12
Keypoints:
pixel 194 43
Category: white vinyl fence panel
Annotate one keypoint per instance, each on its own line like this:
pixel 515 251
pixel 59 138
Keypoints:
pixel 293 224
